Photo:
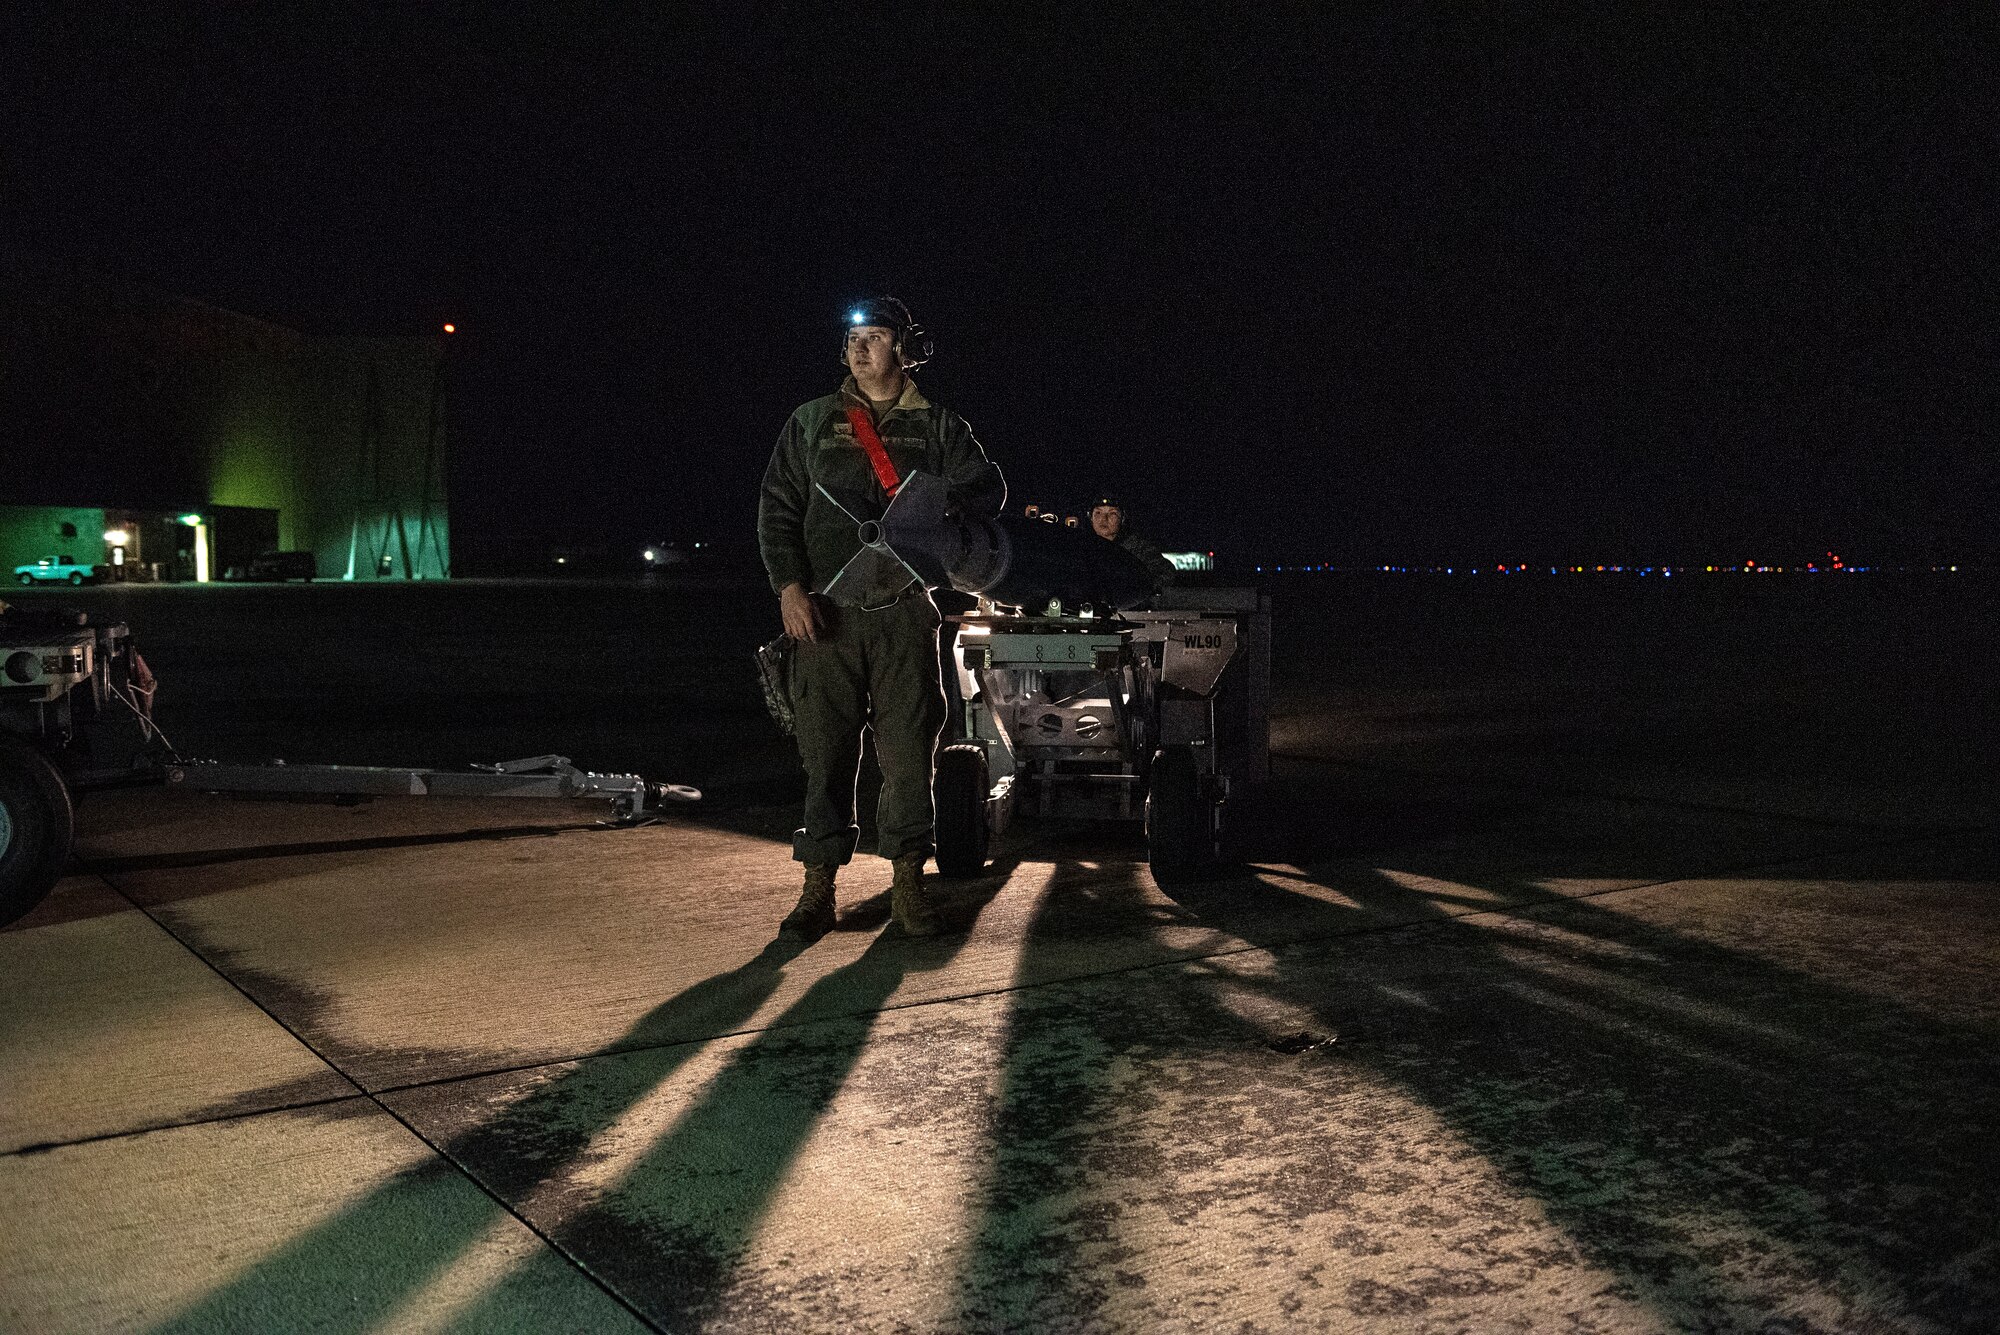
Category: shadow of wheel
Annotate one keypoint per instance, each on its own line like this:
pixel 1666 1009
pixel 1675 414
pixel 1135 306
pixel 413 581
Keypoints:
pixel 37 826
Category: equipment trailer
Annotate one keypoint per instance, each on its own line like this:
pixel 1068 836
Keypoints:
pixel 75 715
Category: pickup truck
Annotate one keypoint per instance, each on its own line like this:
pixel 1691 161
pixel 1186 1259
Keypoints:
pixel 55 570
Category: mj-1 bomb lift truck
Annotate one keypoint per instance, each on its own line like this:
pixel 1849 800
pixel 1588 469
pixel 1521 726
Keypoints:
pixel 1083 692
pixel 1159 714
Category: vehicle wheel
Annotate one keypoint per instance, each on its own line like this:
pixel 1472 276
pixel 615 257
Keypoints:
pixel 37 826
pixel 961 789
pixel 24 579
pixel 76 577
pixel 1179 838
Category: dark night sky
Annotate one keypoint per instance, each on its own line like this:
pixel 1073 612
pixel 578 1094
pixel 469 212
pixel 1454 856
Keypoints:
pixel 1329 287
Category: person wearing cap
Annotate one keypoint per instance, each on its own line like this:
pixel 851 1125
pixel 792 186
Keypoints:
pixel 865 628
pixel 1107 519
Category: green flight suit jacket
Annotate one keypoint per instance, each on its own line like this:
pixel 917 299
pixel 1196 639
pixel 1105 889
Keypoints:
pixel 819 486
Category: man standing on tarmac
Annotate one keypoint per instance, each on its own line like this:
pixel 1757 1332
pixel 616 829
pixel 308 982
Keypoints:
pixel 865 628
pixel 1107 520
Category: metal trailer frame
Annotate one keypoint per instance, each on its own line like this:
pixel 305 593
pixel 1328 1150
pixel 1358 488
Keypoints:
pixel 66 691
pixel 1161 714
pixel 633 800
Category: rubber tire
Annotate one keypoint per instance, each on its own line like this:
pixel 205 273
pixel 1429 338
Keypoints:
pixel 24 579
pixel 75 578
pixel 1178 840
pixel 41 824
pixel 961 789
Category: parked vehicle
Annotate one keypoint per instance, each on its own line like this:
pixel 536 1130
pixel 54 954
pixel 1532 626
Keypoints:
pixel 55 570
pixel 281 566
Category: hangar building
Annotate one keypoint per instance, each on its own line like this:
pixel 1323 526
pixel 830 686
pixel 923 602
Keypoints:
pixel 170 440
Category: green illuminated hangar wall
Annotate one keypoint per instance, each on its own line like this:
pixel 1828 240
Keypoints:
pixel 116 396
pixel 371 433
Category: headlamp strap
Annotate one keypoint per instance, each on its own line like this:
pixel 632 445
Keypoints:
pixel 864 431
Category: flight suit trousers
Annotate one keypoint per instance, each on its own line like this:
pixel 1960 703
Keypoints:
pixel 878 670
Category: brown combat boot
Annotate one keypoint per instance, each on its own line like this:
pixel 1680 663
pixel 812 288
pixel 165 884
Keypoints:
pixel 813 916
pixel 909 905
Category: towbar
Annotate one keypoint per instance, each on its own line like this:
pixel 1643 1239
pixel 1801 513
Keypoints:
pixel 635 801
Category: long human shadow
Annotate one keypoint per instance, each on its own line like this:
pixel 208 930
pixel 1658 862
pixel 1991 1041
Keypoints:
pixel 1721 1133
pixel 1724 1132
pixel 1044 1251
pixel 346 1273
pixel 670 1236
pixel 1042 1255
pixel 1759 1127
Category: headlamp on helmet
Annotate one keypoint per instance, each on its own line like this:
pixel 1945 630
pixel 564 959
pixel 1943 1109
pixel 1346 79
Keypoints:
pixel 912 340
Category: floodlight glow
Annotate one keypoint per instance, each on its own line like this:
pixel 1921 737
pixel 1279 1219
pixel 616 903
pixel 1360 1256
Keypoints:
pixel 117 537
pixel 190 520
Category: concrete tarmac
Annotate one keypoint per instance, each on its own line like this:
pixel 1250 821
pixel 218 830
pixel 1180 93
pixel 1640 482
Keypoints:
pixel 1546 995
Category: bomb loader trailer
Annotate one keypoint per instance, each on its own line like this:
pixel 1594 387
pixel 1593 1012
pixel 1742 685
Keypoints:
pixel 75 716
pixel 1071 700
